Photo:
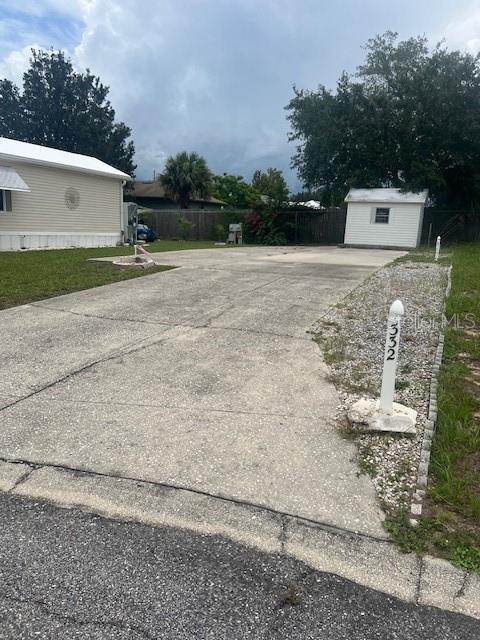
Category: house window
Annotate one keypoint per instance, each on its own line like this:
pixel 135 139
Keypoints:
pixel 5 200
pixel 382 215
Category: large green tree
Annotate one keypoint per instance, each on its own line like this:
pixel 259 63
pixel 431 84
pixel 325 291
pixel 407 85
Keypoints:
pixel 234 191
pixel 272 184
pixel 186 175
pixel 10 111
pixel 65 109
pixel 410 118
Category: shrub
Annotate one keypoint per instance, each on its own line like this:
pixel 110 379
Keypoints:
pixel 185 226
pixel 264 227
pixel 219 232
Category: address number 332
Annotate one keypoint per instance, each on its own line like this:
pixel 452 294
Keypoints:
pixel 392 341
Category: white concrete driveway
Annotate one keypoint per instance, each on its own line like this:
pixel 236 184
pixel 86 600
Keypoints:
pixel 203 377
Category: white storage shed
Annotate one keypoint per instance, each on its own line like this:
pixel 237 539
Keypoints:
pixel 384 218
pixel 52 198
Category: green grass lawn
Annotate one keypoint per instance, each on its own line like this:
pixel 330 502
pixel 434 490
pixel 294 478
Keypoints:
pixel 26 276
pixel 451 523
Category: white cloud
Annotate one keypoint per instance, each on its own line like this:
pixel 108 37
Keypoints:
pixel 195 75
pixel 213 75
pixel 38 25
pixel 73 8
pixel 464 32
pixel 16 63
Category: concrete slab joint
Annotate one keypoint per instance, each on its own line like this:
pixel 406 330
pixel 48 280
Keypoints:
pixel 365 560
pixel 12 474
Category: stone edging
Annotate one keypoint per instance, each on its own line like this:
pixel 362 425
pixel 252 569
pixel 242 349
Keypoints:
pixel 430 424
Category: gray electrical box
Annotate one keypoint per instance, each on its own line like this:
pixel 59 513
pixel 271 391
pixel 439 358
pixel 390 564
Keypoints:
pixel 132 222
pixel 235 235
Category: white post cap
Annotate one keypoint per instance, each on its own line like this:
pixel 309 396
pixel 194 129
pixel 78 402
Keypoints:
pixel 397 308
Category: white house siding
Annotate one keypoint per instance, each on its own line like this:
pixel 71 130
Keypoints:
pixel 403 229
pixel 42 218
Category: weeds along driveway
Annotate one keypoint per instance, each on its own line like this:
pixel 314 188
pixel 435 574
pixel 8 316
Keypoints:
pixel 203 377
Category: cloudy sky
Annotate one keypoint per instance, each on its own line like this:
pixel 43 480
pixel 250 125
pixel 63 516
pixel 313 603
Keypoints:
pixel 214 75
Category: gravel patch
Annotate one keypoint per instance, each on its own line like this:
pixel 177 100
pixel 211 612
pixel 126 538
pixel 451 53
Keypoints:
pixel 352 337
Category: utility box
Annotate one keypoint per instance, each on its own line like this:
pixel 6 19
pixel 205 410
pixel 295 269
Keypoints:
pixel 235 235
pixel 131 221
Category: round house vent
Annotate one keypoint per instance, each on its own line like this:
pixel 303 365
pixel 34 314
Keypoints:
pixel 72 198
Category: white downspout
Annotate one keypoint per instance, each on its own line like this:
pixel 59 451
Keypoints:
pixel 122 217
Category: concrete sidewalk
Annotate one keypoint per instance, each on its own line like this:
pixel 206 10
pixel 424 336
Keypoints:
pixel 203 378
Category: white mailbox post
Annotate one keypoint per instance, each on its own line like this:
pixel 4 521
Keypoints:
pixel 437 248
pixel 392 345
pixel 384 414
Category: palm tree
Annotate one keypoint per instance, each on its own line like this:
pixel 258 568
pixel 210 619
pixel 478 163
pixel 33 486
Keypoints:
pixel 186 175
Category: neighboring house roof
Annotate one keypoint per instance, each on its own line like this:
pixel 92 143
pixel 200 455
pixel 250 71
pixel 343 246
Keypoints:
pixel 155 189
pixel 14 150
pixel 311 204
pixel 386 195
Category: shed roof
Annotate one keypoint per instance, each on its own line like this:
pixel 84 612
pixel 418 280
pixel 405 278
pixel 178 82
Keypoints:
pixel 155 189
pixel 386 195
pixel 15 150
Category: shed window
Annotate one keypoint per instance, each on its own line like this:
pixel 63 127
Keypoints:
pixel 382 215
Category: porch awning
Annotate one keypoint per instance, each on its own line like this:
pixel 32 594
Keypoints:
pixel 10 180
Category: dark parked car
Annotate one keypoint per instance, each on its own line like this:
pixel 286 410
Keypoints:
pixel 144 232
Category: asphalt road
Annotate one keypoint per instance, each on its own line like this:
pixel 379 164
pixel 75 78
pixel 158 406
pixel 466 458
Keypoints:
pixel 69 574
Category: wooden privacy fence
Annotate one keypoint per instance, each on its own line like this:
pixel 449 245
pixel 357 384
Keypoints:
pixel 299 226
pixel 451 224
pixel 326 226
pixel 165 222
